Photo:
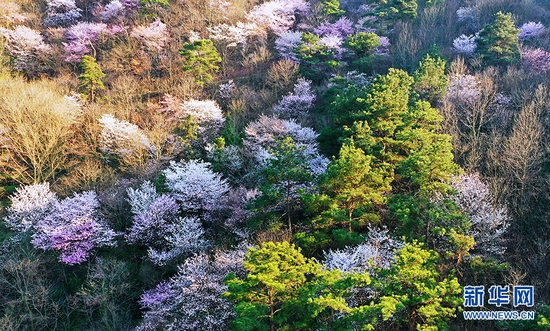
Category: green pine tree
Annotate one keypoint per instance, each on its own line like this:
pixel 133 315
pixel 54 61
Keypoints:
pixel 201 58
pixel 416 294
pixel 498 42
pixel 90 79
pixel 430 81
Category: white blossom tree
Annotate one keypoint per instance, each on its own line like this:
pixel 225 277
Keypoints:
pixel 29 205
pixel 62 13
pixel 112 12
pixel 277 16
pixel 463 88
pixel 489 221
pixel 530 30
pixel 465 45
pixel 206 113
pixel 142 198
pixel 192 299
pixel 378 251
pixel 286 44
pixel 159 226
pixel 297 103
pixel 232 35
pixel 263 134
pixel 124 140
pixel 196 186
pixel 154 36
pixel 27 48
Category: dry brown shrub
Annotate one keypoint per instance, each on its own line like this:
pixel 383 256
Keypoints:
pixel 38 125
pixel 282 76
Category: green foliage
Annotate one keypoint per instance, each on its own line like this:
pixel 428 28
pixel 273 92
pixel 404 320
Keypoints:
pixel 331 8
pixel 416 294
pixel 401 134
pixel 266 297
pixel 148 3
pixel 90 79
pixel 284 290
pixel 397 9
pixel 540 323
pixel 280 179
pixel 498 42
pixel 430 81
pixel 352 190
pixel 201 58
pixel 362 42
pixel 316 60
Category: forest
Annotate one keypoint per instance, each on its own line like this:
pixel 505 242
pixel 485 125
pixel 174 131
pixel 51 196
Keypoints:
pixel 262 165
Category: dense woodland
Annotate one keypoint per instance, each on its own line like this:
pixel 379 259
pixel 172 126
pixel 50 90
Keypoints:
pixel 276 165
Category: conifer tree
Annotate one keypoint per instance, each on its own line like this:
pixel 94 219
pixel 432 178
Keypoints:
pixel 201 58
pixel 498 42
pixel 90 79
pixel 430 81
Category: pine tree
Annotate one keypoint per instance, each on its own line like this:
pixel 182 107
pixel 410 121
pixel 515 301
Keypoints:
pixel 90 80
pixel 498 42
pixel 201 58
pixel 430 81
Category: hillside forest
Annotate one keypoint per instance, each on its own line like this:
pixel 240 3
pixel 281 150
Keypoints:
pixel 256 165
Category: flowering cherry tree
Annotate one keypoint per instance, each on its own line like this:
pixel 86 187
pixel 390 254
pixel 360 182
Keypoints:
pixel 489 221
pixel 343 27
pixel 465 45
pixel 123 139
pixel 263 134
pixel 80 39
pixel 378 251
pixel 530 30
pixel 193 299
pixel 277 16
pixel 206 113
pixel 232 35
pixel 536 60
pixel 26 46
pixel 112 12
pixel 286 44
pixel 158 226
pixel 29 205
pixel 62 13
pixel 153 36
pixel 297 103
pixel 463 88
pixel 196 186
pixel 73 228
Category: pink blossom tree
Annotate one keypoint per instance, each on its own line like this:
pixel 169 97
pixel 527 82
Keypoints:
pixel 80 39
pixel 343 27
pixel 154 36
pixel 26 47
pixel 278 16
pixel 297 103
pixel 536 60
pixel 73 228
